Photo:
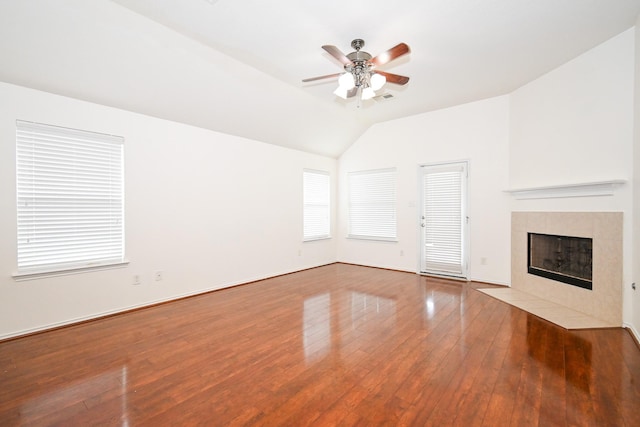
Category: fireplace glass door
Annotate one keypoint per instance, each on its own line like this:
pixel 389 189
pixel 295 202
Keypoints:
pixel 566 259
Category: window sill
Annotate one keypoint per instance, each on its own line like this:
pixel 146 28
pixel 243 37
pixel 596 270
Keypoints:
pixel 377 239
pixel 315 239
pixel 42 274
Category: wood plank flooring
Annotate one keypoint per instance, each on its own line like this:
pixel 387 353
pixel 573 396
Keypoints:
pixel 339 345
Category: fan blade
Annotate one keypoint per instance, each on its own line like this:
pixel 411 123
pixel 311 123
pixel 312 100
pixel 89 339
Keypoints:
pixel 394 78
pixel 337 53
pixel 328 76
pixel 393 53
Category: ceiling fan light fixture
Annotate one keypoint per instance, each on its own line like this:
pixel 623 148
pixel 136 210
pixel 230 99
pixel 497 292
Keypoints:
pixel 368 93
pixel 346 81
pixel 377 81
pixel 341 92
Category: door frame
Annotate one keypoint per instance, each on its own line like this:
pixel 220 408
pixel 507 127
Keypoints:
pixel 465 225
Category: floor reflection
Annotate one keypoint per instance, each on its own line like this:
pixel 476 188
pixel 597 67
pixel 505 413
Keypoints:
pixel 354 316
pixel 429 306
pixel 78 397
pixel 367 309
pixel 547 345
pixel 316 334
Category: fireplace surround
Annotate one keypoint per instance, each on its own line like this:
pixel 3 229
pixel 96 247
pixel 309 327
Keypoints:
pixel 604 300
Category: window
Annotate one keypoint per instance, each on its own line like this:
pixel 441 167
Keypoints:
pixel 69 198
pixel 372 204
pixel 316 205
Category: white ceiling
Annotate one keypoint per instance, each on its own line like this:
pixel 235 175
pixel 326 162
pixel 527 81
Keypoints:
pixel 236 66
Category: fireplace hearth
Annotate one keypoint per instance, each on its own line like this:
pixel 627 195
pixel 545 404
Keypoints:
pixel 566 259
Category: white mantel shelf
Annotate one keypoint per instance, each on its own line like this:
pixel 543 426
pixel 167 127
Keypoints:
pixel 588 189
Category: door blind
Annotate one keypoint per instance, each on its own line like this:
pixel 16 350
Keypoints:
pixel 69 198
pixel 443 218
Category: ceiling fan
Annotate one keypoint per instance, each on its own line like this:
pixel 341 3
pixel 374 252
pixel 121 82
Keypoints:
pixel 360 70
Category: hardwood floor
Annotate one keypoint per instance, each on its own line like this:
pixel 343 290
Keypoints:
pixel 336 345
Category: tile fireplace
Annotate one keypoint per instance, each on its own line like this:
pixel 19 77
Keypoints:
pixel 584 248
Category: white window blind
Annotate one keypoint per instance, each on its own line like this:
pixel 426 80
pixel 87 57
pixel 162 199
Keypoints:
pixel 69 198
pixel 372 204
pixel 444 217
pixel 317 222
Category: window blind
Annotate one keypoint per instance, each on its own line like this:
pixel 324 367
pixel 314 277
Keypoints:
pixel 443 216
pixel 372 204
pixel 69 198
pixel 317 222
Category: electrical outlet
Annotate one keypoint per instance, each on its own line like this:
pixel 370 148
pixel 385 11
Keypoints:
pixel 136 279
pixel 483 261
pixel 401 252
pixel 158 276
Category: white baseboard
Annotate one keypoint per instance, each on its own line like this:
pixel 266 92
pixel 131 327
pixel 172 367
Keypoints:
pixel 633 331
pixel 491 282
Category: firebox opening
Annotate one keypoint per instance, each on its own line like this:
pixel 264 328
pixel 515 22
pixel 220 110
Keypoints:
pixel 565 259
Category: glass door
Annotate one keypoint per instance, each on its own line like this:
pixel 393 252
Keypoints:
pixel 443 219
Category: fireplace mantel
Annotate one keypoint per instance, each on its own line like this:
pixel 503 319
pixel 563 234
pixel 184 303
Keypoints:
pixel 589 189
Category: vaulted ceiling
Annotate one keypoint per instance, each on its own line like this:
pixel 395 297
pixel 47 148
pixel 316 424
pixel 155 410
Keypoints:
pixel 236 66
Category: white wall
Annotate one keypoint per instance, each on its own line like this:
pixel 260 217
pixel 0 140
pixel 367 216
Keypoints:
pixel 575 125
pixel 477 132
pixel 208 209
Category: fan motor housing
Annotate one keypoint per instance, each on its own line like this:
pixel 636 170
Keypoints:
pixel 359 56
